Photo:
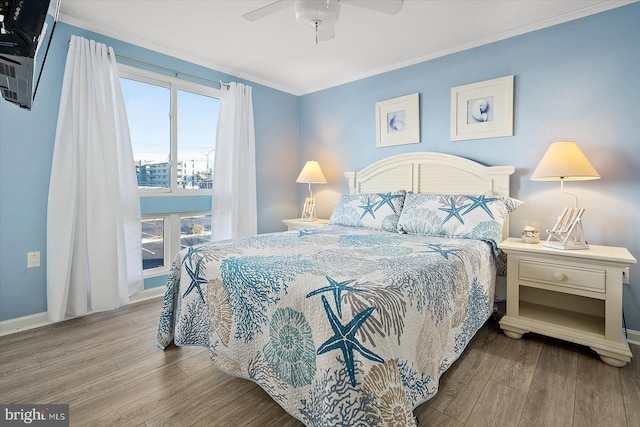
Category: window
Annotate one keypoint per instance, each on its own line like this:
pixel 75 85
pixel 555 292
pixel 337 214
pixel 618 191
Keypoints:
pixel 173 125
pixel 196 140
pixel 194 229
pixel 153 249
pixel 147 107
pixel 163 236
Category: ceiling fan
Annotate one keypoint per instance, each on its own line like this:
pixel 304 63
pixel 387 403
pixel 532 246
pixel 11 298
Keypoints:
pixel 323 14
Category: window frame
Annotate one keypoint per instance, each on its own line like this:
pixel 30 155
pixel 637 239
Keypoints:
pixel 174 85
pixel 167 240
pixel 171 238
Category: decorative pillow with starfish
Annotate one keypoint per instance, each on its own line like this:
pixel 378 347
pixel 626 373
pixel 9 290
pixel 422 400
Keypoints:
pixel 380 211
pixel 456 215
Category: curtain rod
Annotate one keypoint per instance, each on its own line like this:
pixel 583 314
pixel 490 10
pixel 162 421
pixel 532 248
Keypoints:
pixel 177 73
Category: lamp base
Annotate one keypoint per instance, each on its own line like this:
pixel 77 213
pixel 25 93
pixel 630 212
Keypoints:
pixel 309 210
pixel 566 245
pixel 567 233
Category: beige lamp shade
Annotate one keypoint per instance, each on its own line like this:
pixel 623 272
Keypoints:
pixel 564 161
pixel 311 173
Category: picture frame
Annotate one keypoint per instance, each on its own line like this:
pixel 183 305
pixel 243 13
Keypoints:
pixel 398 121
pixel 482 110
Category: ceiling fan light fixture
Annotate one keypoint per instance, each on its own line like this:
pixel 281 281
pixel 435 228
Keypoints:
pixel 322 15
pixel 318 14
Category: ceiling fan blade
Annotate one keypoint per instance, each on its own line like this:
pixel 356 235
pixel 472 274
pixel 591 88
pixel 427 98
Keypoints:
pixel 267 10
pixel 325 34
pixel 385 6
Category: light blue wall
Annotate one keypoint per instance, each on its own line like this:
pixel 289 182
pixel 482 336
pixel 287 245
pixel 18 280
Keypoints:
pixel 576 81
pixel 26 150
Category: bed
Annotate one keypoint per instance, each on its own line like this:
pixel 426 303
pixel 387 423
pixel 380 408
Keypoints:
pixel 352 323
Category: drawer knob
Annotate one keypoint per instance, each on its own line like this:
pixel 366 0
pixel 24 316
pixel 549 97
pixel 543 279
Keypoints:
pixel 558 276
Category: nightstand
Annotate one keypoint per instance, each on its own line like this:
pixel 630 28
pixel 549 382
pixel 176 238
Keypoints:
pixel 299 224
pixel 573 295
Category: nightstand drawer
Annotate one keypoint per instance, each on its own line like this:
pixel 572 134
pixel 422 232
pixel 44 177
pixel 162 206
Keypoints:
pixel 562 274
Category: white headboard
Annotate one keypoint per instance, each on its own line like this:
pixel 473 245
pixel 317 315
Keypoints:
pixel 425 172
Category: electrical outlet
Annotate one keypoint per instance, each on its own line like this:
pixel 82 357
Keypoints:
pixel 625 275
pixel 33 259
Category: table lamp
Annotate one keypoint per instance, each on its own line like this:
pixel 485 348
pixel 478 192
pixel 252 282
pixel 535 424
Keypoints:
pixel 564 161
pixel 310 174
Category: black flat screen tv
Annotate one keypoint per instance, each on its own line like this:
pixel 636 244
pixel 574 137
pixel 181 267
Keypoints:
pixel 26 28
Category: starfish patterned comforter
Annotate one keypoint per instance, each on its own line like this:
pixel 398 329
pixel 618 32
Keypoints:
pixel 340 325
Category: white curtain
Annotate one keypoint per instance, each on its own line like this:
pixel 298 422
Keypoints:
pixel 234 211
pixel 94 260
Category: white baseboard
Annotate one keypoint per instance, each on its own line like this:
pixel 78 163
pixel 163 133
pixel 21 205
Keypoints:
pixel 633 337
pixel 37 320
pixel 147 294
pixel 18 324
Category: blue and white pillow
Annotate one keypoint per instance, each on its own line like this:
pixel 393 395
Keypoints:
pixel 456 215
pixel 372 210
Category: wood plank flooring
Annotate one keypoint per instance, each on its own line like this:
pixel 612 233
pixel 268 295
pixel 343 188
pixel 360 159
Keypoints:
pixel 108 368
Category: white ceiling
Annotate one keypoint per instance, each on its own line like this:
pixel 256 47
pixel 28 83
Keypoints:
pixel 279 52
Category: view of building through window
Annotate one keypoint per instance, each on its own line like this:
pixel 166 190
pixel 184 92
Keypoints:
pixel 148 106
pixel 151 120
pixel 197 127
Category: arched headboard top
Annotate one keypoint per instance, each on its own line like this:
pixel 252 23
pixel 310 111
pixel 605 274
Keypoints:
pixel 428 172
